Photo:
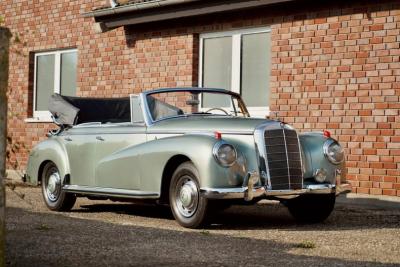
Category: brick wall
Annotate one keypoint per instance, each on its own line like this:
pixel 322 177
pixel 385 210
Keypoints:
pixel 334 66
pixel 340 70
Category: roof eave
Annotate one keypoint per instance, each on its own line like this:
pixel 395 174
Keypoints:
pixel 132 15
pixel 134 7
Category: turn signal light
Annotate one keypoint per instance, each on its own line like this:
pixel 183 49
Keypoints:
pixel 217 135
pixel 327 133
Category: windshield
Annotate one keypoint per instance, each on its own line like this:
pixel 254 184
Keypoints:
pixel 169 104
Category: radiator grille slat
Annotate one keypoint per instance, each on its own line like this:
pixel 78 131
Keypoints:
pixel 283 159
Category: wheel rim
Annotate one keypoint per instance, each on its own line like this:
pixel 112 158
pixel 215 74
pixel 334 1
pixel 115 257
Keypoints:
pixel 53 184
pixel 187 196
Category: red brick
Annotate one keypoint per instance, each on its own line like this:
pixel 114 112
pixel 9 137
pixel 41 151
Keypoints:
pixel 389 192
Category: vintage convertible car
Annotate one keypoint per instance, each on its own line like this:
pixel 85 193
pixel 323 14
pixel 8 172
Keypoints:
pixel 195 149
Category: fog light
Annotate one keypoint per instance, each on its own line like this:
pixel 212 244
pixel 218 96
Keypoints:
pixel 320 175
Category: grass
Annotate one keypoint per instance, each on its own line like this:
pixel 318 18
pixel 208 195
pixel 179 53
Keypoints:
pixel 43 227
pixel 205 232
pixel 306 245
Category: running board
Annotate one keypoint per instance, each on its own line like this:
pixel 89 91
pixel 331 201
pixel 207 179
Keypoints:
pixel 112 192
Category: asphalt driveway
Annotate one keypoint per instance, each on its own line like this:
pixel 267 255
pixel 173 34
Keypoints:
pixel 104 233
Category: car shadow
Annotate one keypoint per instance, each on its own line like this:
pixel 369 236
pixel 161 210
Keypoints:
pixel 142 210
pixel 56 239
pixel 262 216
pixel 278 217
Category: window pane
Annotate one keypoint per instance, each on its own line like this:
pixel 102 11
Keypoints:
pixel 68 73
pixel 255 69
pixel 44 81
pixel 217 68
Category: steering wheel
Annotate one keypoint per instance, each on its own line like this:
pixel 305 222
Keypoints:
pixel 220 109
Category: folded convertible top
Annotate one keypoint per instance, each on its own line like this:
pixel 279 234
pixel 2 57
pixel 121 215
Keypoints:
pixel 68 110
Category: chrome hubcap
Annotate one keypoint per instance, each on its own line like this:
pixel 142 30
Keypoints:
pixel 53 186
pixel 187 196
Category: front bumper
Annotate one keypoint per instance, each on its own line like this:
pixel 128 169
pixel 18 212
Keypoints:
pixel 250 192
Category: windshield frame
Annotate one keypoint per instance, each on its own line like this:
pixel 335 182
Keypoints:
pixel 147 113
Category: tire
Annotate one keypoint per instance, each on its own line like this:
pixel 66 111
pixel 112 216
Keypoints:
pixel 54 197
pixel 188 206
pixel 311 208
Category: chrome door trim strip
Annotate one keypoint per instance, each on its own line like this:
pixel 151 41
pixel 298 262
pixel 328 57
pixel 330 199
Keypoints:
pixel 104 191
pixel 102 132
pixel 160 132
pixel 202 132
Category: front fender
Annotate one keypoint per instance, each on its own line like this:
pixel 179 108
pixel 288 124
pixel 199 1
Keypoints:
pixel 152 157
pixel 313 157
pixel 51 149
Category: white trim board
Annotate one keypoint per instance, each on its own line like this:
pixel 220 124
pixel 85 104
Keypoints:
pixel 236 62
pixel 45 116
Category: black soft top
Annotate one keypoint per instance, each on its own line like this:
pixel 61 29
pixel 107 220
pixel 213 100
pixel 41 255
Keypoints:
pixel 69 111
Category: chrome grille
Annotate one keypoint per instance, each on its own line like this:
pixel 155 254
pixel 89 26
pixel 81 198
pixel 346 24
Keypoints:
pixel 283 159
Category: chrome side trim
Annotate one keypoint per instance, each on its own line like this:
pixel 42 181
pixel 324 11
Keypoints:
pixel 102 132
pixel 102 191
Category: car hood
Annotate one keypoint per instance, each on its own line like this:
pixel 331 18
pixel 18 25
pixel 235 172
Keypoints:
pixel 207 124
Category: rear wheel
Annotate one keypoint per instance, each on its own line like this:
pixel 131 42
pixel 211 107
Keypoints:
pixel 54 197
pixel 188 206
pixel 311 208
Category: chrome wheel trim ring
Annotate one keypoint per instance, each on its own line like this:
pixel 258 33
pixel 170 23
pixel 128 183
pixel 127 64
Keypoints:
pixel 186 196
pixel 53 185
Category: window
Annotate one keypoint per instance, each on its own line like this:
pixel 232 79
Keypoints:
pixel 55 72
pixel 238 61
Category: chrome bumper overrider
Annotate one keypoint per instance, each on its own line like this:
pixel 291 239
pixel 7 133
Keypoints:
pixel 249 192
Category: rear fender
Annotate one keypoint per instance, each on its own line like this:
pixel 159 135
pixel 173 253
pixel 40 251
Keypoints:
pixel 51 149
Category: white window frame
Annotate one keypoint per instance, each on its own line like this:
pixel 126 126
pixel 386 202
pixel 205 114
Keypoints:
pixel 236 35
pixel 45 116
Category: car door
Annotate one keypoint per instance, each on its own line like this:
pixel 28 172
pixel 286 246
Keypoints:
pixel 116 163
pixel 80 143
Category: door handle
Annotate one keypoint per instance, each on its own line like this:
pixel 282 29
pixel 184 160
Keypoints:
pixel 68 139
pixel 100 138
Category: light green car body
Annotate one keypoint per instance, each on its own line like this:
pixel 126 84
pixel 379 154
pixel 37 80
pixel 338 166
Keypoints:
pixel 136 160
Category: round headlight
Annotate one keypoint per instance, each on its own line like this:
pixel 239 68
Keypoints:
pixel 333 151
pixel 224 153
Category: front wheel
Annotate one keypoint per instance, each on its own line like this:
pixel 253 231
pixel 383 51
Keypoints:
pixel 311 208
pixel 54 197
pixel 188 206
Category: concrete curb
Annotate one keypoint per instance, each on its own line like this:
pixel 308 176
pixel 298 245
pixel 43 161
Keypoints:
pixel 369 201
pixel 14 175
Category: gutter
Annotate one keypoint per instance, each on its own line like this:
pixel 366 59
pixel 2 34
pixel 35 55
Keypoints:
pixel 135 7
pixel 163 10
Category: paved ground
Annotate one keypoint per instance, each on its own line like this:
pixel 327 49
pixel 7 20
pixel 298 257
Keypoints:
pixel 103 233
